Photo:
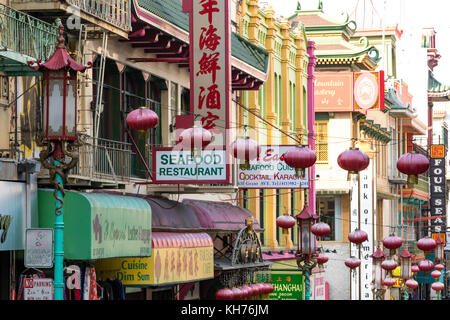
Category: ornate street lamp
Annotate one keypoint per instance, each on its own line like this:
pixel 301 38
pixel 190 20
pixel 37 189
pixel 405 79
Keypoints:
pixel 439 250
pixel 405 264
pixel 59 126
pixel 306 243
pixel 378 258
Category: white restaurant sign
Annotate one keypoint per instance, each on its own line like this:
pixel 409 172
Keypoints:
pixel 270 171
pixel 179 166
pixel 361 281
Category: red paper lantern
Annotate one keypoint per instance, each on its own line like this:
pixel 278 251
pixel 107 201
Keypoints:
pixel 436 274
pixel 245 149
pixel 320 229
pixel 193 138
pixel 357 236
pixel 245 291
pixel 411 284
pixel 352 262
pixel 426 244
pixel 389 265
pixel 300 158
pixel 224 294
pixel 321 259
pixel 259 288
pixel 415 268
pixel 285 221
pixel 142 119
pixel 437 286
pixel 392 243
pixel 413 164
pixel 353 160
pixel 426 265
pixel 237 294
pixel 439 267
pixel 389 282
pixel 270 288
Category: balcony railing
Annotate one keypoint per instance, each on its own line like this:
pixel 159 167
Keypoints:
pixel 102 159
pixel 26 35
pixel 114 12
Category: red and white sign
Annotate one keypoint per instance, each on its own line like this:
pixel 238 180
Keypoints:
pixel 368 90
pixel 348 91
pixel 210 67
pixel 269 171
pixel 38 289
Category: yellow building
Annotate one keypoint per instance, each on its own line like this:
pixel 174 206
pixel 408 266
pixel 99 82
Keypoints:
pixel 279 104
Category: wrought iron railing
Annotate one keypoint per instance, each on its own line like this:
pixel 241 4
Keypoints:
pixel 114 12
pixel 104 159
pixel 24 34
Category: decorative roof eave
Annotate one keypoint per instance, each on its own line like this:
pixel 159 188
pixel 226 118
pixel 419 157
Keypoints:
pixel 60 59
pixel 375 131
pixel 436 90
pixel 365 62
pixel 414 126
pixel 397 109
pixel 183 35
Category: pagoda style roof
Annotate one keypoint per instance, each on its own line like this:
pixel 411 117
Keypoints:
pixel 332 39
pixel 436 90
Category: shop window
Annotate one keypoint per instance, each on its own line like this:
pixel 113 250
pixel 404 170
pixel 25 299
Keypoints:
pixel 329 211
pixel 321 128
pixel 185 101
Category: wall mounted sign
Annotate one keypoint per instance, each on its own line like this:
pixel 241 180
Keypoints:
pixel 365 219
pixel 39 248
pixel 209 60
pixel 288 285
pixel 171 262
pixel 270 171
pixel 13 214
pixel 438 189
pixel 333 92
pixel 368 90
pixel 171 166
pixel 348 91
pixel 38 289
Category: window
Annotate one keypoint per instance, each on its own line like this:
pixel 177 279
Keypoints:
pixel 185 101
pixel 329 210
pixel 174 96
pixel 321 128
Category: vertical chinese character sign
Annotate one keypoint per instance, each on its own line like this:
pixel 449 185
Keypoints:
pixel 210 67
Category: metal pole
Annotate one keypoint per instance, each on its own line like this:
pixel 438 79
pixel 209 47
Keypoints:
pixel 307 285
pixel 59 241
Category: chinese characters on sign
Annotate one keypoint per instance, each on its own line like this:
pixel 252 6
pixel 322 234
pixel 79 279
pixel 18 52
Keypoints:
pixel 438 189
pixel 210 65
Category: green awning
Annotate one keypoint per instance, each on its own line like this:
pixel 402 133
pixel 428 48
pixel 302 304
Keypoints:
pixel 100 225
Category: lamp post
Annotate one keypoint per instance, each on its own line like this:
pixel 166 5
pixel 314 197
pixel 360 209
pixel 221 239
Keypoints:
pixel 306 243
pixel 378 277
pixel 59 137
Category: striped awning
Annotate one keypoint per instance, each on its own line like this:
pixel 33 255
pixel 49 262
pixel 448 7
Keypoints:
pixel 180 240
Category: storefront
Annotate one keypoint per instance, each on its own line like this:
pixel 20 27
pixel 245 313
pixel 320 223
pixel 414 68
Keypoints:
pixel 18 211
pixel 182 256
pixel 97 226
